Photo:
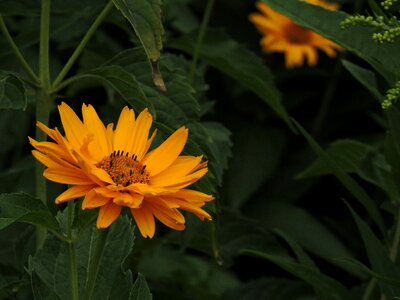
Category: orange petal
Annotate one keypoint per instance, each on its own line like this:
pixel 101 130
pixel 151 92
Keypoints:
pixel 74 193
pixel 67 176
pixel 164 155
pixel 193 196
pixel 123 132
pixel 129 200
pixel 168 216
pixel 108 214
pixel 74 129
pixel 181 167
pixel 144 220
pixel 91 120
pixel 200 213
pixel 140 134
pixel 93 200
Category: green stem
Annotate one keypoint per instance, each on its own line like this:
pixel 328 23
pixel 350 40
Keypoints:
pixel 82 44
pixel 16 51
pixel 73 269
pixel 44 69
pixel 43 106
pixel 94 263
pixel 199 41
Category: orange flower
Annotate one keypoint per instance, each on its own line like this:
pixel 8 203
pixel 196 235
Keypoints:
pixel 280 34
pixel 113 168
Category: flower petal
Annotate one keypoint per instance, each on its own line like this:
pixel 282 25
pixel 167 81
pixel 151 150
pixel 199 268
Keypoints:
pixel 74 193
pixel 67 176
pixel 193 196
pixel 144 220
pixel 129 200
pixel 163 156
pixel 91 120
pixel 140 134
pixel 123 132
pixel 74 129
pixel 200 213
pixel 181 167
pixel 107 215
pixel 93 200
pixel 168 216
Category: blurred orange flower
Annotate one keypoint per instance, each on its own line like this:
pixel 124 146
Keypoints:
pixel 281 34
pixel 113 168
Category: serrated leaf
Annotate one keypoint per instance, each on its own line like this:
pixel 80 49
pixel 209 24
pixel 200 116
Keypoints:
pixel 12 92
pixel 125 84
pixel 324 286
pixel 357 39
pixel 233 59
pixel 347 154
pixel 145 18
pixel 352 186
pixel 140 290
pixel 50 266
pixel 20 207
pixel 378 257
pixel 366 77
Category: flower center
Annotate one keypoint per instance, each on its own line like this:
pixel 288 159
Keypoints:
pixel 297 34
pixel 124 169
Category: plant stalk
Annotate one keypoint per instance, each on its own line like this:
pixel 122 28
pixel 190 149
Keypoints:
pixel 94 263
pixel 82 44
pixel 73 269
pixel 43 106
pixel 200 38
pixel 17 52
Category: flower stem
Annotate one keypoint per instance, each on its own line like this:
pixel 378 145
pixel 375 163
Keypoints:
pixel 94 263
pixel 73 269
pixel 82 44
pixel 43 106
pixel 199 41
pixel 16 51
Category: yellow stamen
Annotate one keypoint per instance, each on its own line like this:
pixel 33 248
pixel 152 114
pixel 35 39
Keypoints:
pixel 124 169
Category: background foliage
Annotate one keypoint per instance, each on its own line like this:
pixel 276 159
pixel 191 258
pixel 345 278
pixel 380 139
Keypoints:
pixel 304 163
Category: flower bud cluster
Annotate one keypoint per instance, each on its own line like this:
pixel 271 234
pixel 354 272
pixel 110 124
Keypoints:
pixel 391 96
pixel 388 30
pixel 386 4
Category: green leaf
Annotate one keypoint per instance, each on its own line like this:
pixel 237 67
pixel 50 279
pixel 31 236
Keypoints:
pixel 355 263
pixel 145 18
pixel 357 39
pixel 366 77
pixel 125 84
pixel 271 288
pixel 324 286
pixel 233 59
pixel 378 257
pixel 49 268
pixel 352 186
pixel 12 92
pixel 140 290
pixel 347 154
pixel 296 221
pixel 220 147
pixel 20 207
